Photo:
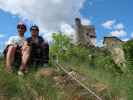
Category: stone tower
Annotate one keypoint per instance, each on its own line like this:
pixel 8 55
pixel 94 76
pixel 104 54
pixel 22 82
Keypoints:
pixel 86 34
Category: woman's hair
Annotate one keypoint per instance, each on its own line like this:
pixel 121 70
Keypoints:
pixel 22 25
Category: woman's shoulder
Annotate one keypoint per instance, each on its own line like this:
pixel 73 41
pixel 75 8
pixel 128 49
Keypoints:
pixel 11 40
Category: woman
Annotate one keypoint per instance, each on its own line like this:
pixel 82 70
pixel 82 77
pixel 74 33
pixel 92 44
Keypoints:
pixel 16 46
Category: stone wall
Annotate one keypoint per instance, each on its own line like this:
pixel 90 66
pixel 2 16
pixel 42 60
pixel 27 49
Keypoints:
pixel 112 42
pixel 86 34
pixel 114 45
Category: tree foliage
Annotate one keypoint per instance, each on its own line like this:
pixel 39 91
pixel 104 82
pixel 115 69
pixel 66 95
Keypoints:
pixel 128 49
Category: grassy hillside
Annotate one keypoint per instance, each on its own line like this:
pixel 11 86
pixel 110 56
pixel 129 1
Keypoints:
pixel 98 64
pixel 95 66
pixel 30 87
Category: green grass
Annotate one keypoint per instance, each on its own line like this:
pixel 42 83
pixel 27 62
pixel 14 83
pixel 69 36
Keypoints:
pixel 102 68
pixel 98 64
pixel 30 87
pixel 94 63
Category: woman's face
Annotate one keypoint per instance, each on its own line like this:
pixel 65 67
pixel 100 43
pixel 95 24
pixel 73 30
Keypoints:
pixel 21 29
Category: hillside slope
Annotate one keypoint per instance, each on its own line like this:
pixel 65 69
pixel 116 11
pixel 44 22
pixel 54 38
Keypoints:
pixel 93 67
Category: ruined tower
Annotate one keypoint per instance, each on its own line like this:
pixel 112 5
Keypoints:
pixel 86 34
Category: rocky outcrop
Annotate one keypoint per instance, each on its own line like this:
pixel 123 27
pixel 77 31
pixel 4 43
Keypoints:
pixel 86 34
pixel 118 57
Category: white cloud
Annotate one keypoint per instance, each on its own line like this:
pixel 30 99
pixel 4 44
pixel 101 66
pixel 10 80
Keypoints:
pixel 86 21
pixel 108 24
pixel 47 35
pixel 125 39
pixel 119 26
pixel 99 43
pixel 69 31
pixel 66 28
pixel 118 29
pixel 49 14
pixel 119 33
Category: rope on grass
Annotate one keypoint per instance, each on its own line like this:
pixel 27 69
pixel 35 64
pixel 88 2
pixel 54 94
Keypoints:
pixel 56 61
pixel 80 83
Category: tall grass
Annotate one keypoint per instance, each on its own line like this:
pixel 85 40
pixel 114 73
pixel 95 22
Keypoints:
pixel 30 87
pixel 94 63
pixel 98 64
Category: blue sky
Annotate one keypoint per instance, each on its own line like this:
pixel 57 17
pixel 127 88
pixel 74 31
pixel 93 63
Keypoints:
pixel 104 10
pixel 110 17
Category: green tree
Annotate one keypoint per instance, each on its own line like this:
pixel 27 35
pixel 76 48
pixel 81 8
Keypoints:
pixel 128 49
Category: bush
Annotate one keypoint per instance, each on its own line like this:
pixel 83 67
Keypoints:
pixel 128 50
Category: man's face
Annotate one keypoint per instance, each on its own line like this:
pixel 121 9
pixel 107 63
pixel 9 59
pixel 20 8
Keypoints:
pixel 34 32
pixel 21 29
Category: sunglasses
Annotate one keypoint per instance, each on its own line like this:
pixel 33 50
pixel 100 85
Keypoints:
pixel 20 28
pixel 34 29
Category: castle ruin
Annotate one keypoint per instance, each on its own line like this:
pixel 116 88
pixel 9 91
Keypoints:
pixel 86 34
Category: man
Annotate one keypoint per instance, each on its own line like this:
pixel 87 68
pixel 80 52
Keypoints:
pixel 39 48
pixel 16 47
